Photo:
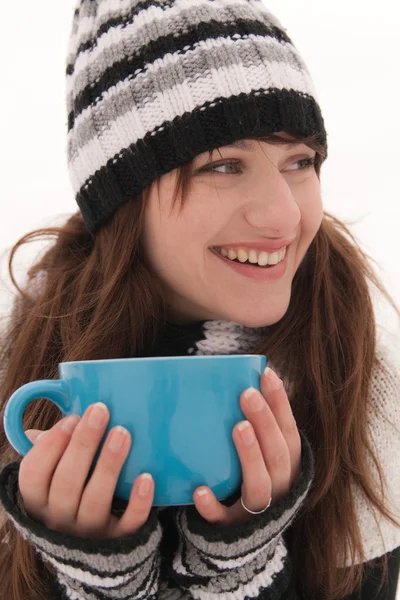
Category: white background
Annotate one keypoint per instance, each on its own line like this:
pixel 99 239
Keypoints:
pixel 352 51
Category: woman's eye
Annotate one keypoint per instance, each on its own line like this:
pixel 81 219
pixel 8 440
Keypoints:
pixel 232 167
pixel 304 163
pixel 229 165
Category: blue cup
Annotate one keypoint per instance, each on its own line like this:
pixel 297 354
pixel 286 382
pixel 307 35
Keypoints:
pixel 179 410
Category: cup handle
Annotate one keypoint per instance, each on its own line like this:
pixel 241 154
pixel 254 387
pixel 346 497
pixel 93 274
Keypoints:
pixel 55 390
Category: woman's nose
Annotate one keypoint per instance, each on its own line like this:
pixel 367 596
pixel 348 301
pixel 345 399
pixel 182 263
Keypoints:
pixel 273 209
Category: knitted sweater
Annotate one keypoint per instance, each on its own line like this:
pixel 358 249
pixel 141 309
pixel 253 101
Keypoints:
pixel 177 555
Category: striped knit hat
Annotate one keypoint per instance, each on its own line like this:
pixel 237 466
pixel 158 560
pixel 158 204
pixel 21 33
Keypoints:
pixel 153 83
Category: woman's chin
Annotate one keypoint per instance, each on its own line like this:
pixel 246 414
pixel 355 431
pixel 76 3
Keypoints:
pixel 256 318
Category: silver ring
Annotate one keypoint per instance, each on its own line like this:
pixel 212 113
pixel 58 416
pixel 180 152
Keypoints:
pixel 255 512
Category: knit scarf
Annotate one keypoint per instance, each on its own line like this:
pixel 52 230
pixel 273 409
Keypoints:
pixel 209 337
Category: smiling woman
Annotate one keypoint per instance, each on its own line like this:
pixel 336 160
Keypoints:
pixel 264 206
pixel 195 147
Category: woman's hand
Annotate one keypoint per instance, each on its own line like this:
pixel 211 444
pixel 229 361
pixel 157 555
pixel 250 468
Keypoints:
pixel 269 449
pixel 53 478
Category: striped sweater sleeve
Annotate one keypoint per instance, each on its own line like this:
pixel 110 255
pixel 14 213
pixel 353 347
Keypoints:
pixel 90 569
pixel 247 560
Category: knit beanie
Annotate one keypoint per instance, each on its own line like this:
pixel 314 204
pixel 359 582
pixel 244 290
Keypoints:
pixel 153 83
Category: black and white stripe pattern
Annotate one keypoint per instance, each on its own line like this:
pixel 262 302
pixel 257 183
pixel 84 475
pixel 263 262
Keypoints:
pixel 150 85
pixel 87 569
pixel 242 560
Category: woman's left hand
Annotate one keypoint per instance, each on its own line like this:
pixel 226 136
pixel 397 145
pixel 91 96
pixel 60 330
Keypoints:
pixel 269 449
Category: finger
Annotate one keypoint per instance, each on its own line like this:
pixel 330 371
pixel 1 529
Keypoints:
pixel 279 403
pixel 73 469
pixel 34 434
pixel 95 507
pixel 209 508
pixel 257 485
pixel 37 467
pixel 138 509
pixel 273 445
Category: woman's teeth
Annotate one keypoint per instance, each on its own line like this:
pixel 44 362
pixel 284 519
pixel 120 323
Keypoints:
pixel 261 258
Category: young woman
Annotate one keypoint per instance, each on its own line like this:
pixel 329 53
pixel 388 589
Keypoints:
pixel 195 146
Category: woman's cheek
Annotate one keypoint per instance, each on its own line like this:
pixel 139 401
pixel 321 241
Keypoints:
pixel 312 213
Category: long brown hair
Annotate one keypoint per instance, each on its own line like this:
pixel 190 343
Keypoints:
pixel 96 297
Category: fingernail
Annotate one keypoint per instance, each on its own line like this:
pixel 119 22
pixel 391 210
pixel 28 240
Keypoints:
pixel 203 496
pixel 249 392
pixel 254 399
pixel 98 414
pixel 40 435
pixel 117 438
pixel 145 484
pixel 246 432
pixel 68 425
pixel 273 381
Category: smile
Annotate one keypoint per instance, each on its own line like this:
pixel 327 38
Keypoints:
pixel 254 271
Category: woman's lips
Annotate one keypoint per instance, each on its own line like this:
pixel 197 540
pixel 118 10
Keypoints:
pixel 271 273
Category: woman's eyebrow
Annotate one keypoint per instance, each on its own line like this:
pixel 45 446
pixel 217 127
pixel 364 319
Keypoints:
pixel 244 145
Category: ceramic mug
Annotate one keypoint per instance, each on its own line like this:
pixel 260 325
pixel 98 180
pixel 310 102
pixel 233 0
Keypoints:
pixel 179 410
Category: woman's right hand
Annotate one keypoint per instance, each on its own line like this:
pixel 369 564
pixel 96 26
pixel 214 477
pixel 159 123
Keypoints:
pixel 53 478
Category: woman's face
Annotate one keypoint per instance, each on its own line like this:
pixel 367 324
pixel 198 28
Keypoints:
pixel 255 194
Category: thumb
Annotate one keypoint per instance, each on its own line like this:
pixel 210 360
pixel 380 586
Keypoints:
pixel 34 434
